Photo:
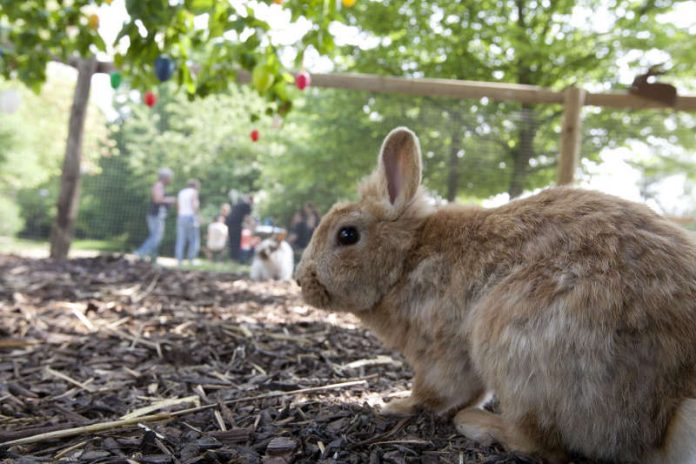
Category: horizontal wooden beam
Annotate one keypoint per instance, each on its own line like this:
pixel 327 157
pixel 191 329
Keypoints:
pixel 424 87
pixel 451 88
pixel 634 102
pixel 103 67
pixel 438 87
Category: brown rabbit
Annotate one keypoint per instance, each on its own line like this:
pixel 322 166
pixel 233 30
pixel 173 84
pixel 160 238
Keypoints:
pixel 576 308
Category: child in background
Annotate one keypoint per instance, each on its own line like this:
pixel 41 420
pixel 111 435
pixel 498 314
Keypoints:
pixel 217 239
pixel 248 240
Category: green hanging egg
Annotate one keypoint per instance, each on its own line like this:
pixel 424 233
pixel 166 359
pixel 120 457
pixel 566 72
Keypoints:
pixel 115 79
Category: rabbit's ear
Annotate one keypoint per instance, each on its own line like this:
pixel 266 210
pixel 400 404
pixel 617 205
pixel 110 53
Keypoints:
pixel 400 167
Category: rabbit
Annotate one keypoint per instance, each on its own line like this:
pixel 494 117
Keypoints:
pixel 273 260
pixel 575 308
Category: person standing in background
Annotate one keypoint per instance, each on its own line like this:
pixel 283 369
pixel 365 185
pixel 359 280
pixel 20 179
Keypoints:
pixel 187 226
pixel 248 241
pixel 225 209
pixel 312 218
pixel 235 220
pixel 302 228
pixel 156 215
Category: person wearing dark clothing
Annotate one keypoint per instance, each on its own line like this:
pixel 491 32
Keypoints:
pixel 302 227
pixel 300 231
pixel 156 215
pixel 234 222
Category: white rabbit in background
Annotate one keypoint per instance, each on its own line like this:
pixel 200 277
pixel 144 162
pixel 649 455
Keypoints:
pixel 273 260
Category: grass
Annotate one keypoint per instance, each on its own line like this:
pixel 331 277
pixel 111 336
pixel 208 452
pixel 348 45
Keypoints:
pixel 40 248
pixel 98 245
pixel 22 246
pixel 216 266
pixel 18 245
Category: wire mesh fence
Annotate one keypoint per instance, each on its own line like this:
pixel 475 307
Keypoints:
pixel 473 151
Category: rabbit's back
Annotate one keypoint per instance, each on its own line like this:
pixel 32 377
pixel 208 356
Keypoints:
pixel 588 332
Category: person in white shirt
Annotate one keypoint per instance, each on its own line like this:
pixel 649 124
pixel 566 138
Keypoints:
pixel 217 238
pixel 187 228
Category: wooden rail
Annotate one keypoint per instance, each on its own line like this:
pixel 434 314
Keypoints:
pixel 572 98
pixel 495 91
pixel 438 88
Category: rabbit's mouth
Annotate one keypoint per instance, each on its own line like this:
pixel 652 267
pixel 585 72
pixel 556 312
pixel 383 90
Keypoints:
pixel 314 292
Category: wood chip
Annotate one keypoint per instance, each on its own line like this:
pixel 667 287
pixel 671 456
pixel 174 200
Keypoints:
pixel 291 383
pixel 281 445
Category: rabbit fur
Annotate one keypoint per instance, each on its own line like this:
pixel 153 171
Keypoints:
pixel 273 260
pixel 576 308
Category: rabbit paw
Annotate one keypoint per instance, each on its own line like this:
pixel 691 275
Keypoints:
pixel 480 426
pixel 400 407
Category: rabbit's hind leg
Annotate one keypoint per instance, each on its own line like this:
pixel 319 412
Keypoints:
pixel 679 446
pixel 487 428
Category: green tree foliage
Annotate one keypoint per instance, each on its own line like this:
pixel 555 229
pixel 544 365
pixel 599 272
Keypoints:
pixel 11 220
pixel 32 147
pixel 209 40
pixel 538 42
pixel 206 139
pixel 472 149
pixel 330 150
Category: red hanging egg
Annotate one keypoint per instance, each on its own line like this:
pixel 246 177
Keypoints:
pixel 302 80
pixel 254 135
pixel 150 98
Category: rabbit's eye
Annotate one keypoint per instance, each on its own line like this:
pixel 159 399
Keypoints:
pixel 347 236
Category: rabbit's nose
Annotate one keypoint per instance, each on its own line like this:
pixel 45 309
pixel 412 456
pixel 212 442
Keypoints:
pixel 297 281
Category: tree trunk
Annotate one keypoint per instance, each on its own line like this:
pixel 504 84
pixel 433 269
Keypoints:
pixel 64 224
pixel 523 152
pixel 453 174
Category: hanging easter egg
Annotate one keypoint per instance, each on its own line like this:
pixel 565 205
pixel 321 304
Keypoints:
pixel 164 68
pixel 93 22
pixel 302 80
pixel 115 78
pixel 262 78
pixel 254 135
pixel 278 2
pixel 348 3
pixel 150 98
pixel 9 101
pixel 108 2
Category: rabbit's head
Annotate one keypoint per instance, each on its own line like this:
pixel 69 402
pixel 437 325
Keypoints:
pixel 357 252
pixel 267 247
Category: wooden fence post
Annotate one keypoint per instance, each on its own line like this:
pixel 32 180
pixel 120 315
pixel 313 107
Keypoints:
pixel 68 199
pixel 573 100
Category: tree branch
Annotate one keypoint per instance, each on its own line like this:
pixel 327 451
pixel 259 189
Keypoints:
pixel 103 67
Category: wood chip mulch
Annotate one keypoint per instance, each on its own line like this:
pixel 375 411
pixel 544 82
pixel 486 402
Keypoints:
pixel 182 354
